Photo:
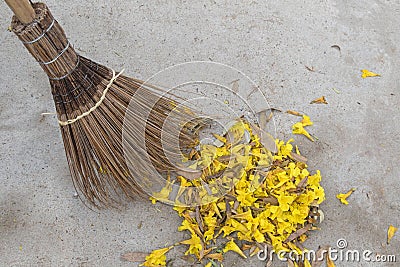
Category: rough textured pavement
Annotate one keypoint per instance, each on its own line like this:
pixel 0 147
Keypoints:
pixel 43 224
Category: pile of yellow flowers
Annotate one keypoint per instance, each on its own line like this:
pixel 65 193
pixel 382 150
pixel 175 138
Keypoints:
pixel 245 197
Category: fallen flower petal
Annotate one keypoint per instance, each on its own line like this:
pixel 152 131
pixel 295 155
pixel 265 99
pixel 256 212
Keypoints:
pixel 195 245
pixel 307 263
pixel 306 121
pixel 321 100
pixel 391 231
pixel 367 73
pixel 299 129
pixel 157 258
pixel 343 197
pixel 329 261
pixel 231 246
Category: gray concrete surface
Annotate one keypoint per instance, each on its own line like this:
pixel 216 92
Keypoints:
pixel 43 224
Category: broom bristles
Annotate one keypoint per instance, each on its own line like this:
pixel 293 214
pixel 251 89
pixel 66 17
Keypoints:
pixel 122 143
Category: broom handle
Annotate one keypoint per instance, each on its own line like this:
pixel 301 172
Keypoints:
pixel 23 10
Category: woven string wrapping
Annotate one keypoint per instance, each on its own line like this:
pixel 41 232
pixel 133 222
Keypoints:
pixel 115 76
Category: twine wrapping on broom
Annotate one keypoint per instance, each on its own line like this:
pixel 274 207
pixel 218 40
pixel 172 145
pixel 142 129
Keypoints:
pixel 65 123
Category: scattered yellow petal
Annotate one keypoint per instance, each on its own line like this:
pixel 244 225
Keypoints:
pixel 306 121
pixel 102 171
pixel 209 264
pixel 343 197
pixel 299 129
pixel 367 73
pixel 307 263
pixel 391 231
pixel 231 246
pixel 329 261
pixel 157 258
pixel 220 138
pixel 321 100
pixel 297 150
pixel 195 245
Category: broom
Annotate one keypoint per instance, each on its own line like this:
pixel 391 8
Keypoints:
pixel 99 123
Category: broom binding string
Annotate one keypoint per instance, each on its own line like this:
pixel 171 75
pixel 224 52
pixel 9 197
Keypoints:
pixel 46 41
pixel 115 76
pixel 42 35
pixel 67 74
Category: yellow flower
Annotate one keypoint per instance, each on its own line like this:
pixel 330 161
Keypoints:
pixel 321 100
pixel 315 179
pixel 231 246
pixel 285 201
pixel 210 221
pixel 209 234
pixel 306 121
pixel 184 182
pixel 367 73
pixel 294 171
pixel 163 194
pixel 266 226
pixel 319 194
pixel 157 258
pixel 195 245
pixel 237 225
pixel 186 225
pixel 277 243
pixel 329 262
pixel 303 238
pixel 285 149
pixel 258 236
pixel 153 200
pixel 294 248
pixel 391 231
pixel 245 198
pixel 276 212
pixel 297 150
pixel 343 197
pixel 220 138
pixel 244 216
pixel 299 129
pixel 304 173
pixel 307 263
pixel 227 230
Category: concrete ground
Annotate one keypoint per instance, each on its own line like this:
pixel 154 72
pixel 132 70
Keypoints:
pixel 43 224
